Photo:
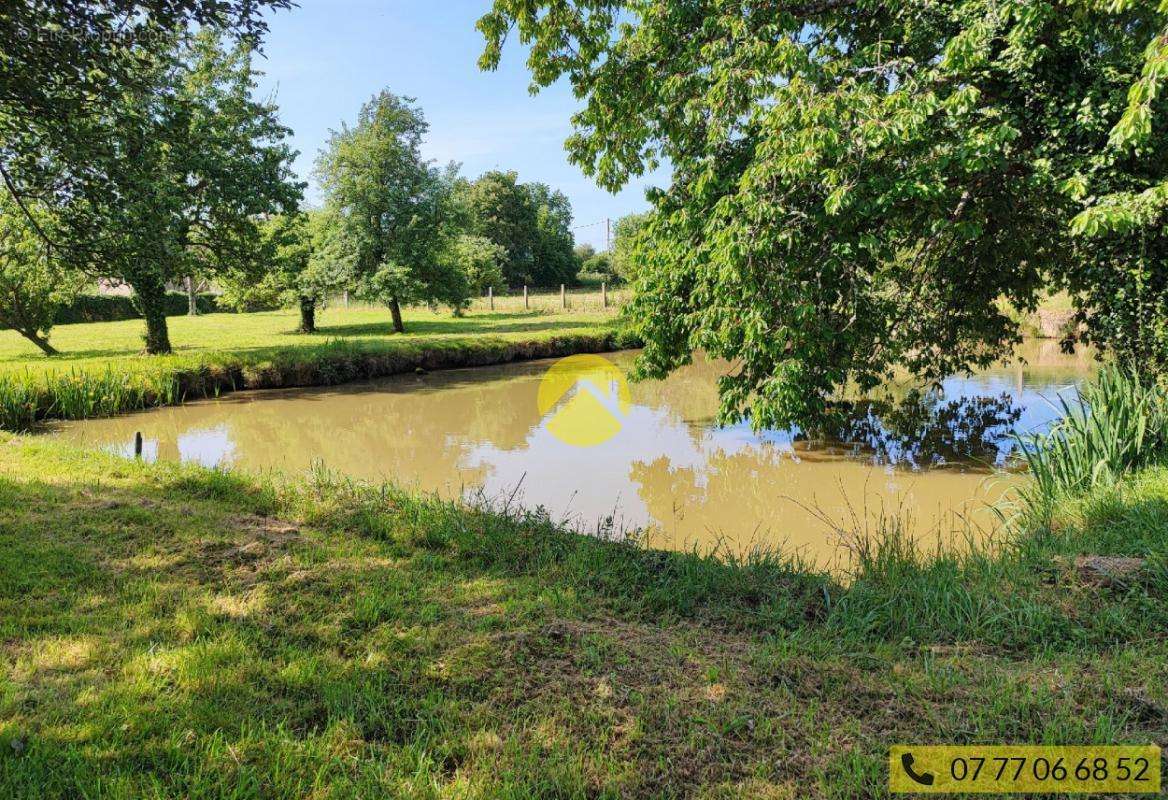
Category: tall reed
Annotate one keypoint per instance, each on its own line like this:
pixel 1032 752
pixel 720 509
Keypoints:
pixel 26 398
pixel 1119 423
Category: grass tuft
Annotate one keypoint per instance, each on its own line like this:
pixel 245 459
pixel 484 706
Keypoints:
pixel 1117 425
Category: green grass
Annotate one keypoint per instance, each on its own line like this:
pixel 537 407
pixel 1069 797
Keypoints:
pixel 171 631
pixel 93 346
pixel 1116 425
pixel 101 371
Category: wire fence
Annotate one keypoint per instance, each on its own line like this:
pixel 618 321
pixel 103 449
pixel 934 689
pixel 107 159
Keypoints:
pixel 578 300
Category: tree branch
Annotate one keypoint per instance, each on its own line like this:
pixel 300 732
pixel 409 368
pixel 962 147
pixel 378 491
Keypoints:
pixel 20 202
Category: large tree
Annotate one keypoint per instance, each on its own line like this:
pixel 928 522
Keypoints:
pixel 531 221
pixel 68 63
pixel 191 164
pixel 857 184
pixel 554 254
pixel 499 208
pixel 394 207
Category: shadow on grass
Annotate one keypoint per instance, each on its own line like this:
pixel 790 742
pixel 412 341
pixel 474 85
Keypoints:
pixel 467 326
pixel 1119 526
pixel 189 649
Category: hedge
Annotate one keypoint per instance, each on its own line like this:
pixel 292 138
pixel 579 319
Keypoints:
pixel 110 308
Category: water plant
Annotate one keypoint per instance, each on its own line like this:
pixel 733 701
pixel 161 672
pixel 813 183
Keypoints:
pixel 1117 424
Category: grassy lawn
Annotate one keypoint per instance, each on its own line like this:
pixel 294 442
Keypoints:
pixel 170 631
pixel 101 372
pixel 94 345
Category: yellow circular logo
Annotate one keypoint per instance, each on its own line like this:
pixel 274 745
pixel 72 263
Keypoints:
pixel 587 398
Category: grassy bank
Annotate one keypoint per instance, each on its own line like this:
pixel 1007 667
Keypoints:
pixel 100 371
pixel 171 631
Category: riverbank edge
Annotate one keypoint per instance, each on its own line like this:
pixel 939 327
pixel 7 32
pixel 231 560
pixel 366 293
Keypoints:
pixel 530 626
pixel 27 399
pixel 1020 589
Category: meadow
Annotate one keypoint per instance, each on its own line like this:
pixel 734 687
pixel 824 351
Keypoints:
pixel 89 345
pixel 101 370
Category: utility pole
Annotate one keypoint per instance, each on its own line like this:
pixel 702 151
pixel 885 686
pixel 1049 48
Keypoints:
pixel 608 234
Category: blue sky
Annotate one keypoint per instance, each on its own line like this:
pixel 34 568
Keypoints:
pixel 327 57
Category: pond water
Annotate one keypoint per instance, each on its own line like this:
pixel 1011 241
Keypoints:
pixel 669 473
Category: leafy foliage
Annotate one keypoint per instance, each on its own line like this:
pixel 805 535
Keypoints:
pixel 554 258
pixel 857 183
pixel 69 62
pixel 481 261
pixel 624 244
pixel 309 260
pixel 599 264
pixel 395 209
pixel 531 221
pixel 192 162
pixel 33 284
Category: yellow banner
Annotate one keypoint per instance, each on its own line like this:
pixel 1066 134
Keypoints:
pixel 999 769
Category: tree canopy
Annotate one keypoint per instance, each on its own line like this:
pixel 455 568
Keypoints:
pixel 481 260
pixel 33 283
pixel 857 184
pixel 190 163
pixel 68 63
pixel 307 259
pixel 531 221
pixel 395 208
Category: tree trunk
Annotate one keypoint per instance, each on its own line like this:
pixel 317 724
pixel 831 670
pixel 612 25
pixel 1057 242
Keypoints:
pixel 307 315
pixel 150 297
pixel 40 341
pixel 395 310
pixel 192 297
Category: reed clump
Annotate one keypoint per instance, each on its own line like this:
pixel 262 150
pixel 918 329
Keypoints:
pixel 1117 425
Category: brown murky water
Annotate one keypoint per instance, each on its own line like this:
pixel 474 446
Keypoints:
pixel 669 473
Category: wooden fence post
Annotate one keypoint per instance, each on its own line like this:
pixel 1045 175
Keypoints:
pixel 604 294
pixel 563 297
pixel 525 306
pixel 491 296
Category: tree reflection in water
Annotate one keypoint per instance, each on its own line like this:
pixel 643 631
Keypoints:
pixel 921 430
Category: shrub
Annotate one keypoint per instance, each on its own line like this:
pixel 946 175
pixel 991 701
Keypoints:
pixel 112 308
pixel 595 279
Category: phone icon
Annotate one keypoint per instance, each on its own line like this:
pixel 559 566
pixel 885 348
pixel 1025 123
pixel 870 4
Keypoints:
pixel 924 779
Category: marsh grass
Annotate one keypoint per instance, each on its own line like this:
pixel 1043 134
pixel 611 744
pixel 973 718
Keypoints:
pixel 1118 424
